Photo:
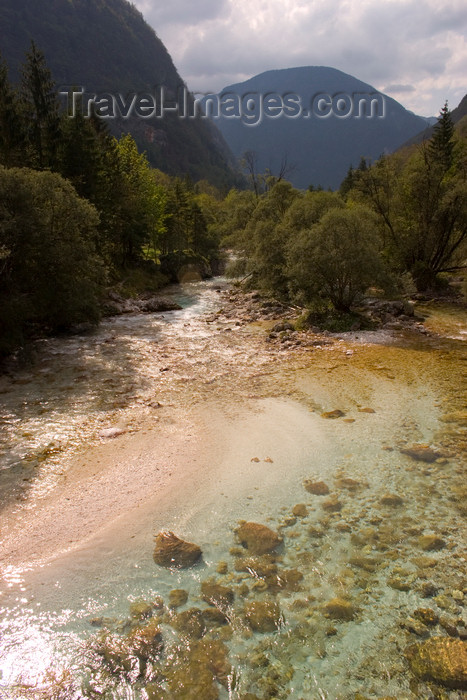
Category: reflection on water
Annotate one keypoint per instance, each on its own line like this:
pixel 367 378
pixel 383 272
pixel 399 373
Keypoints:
pixel 372 560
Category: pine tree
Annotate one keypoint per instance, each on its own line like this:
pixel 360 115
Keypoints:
pixel 42 109
pixel 12 126
pixel 441 146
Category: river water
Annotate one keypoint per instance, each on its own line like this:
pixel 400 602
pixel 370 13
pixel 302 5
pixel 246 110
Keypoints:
pixel 212 426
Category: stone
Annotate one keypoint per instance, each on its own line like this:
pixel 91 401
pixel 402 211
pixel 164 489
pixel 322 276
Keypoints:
pixel 392 500
pixel 449 625
pixel 131 652
pixel 300 510
pixel 399 584
pixel 333 414
pixel 332 504
pixel 421 453
pixel 140 610
pixel 441 660
pixel 347 483
pixel 339 609
pixel 190 623
pixel 177 598
pixel 424 562
pixel 366 563
pixel 111 432
pixel 258 539
pixel 317 488
pixel 366 410
pixel 415 626
pixel 446 603
pixel 431 543
pixel 259 567
pixel 217 595
pixel 213 617
pixel 172 552
pixel 427 589
pixel 427 616
pixel 263 616
pixel 222 568
pixel 146 642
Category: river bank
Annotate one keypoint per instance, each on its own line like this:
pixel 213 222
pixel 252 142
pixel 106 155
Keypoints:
pixel 214 423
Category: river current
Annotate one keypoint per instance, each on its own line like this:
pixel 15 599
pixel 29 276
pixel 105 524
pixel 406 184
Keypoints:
pixel 189 421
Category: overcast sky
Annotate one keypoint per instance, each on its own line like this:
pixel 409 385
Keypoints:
pixel 413 50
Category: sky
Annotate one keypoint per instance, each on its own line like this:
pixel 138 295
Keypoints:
pixel 412 50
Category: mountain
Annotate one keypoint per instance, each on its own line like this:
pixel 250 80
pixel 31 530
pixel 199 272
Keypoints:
pixel 320 143
pixel 456 115
pixel 106 46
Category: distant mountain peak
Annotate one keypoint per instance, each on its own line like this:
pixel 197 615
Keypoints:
pixel 336 120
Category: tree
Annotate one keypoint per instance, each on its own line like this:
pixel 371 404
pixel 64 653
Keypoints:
pixel 41 109
pixel 337 259
pixel 50 275
pixel 12 124
pixel 441 145
pixel 141 212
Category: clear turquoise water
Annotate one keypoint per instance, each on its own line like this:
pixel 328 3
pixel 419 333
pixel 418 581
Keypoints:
pixel 360 553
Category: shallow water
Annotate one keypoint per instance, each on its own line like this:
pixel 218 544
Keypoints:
pixel 260 404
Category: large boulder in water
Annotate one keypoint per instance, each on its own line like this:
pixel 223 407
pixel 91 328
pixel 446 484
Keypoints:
pixel 172 552
pixel 440 659
pixel 258 539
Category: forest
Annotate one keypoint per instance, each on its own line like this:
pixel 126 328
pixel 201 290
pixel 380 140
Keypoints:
pixel 82 211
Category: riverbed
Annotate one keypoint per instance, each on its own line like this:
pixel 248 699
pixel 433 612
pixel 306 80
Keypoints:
pixel 190 421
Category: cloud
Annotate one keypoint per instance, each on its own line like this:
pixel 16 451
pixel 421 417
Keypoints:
pixel 399 88
pixel 419 43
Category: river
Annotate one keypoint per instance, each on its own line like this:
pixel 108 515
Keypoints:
pixel 189 421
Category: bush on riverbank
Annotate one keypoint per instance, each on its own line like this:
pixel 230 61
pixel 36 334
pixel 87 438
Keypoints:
pixel 51 276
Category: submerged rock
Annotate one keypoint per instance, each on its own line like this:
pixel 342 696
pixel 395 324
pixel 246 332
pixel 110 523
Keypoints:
pixel 391 499
pixel 140 610
pixel 258 539
pixel 300 510
pixel 333 414
pixel 332 504
pixel 217 595
pixel 431 543
pixel 441 660
pixel 190 623
pixel 339 609
pixel 317 488
pixel 263 616
pixel 422 453
pixel 427 616
pixel 170 551
pixel 177 597
pixel 194 671
pixel 259 567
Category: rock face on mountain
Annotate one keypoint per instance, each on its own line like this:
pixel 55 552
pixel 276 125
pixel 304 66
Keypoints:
pixel 316 119
pixel 106 46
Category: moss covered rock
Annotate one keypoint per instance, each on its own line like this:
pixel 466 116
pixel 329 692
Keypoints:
pixel 217 595
pixel 440 659
pixel 258 539
pixel 339 609
pixel 317 488
pixel 263 616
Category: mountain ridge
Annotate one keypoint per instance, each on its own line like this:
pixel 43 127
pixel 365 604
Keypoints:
pixel 107 46
pixel 322 149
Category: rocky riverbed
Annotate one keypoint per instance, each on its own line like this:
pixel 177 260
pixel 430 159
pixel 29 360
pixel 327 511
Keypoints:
pixel 316 483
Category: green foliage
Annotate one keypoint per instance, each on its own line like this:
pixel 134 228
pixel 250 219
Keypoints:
pixel 421 201
pixel 337 258
pixel 41 109
pixel 50 275
pixel 12 124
